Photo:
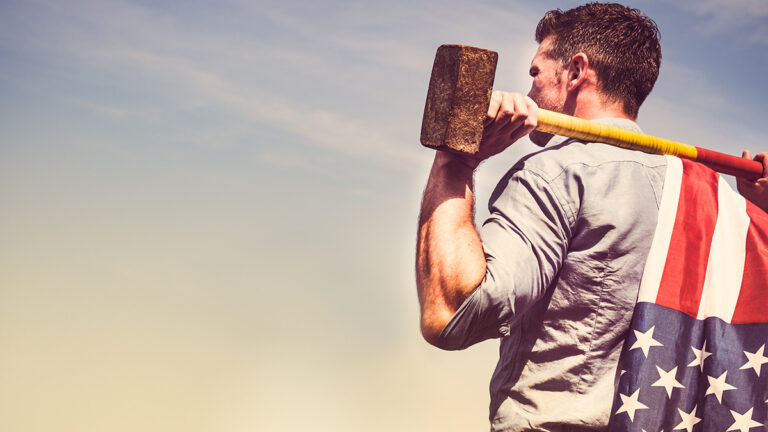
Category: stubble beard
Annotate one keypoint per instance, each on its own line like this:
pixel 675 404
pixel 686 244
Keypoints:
pixel 536 136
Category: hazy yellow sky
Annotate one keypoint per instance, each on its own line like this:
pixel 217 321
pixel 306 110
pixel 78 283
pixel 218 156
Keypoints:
pixel 209 209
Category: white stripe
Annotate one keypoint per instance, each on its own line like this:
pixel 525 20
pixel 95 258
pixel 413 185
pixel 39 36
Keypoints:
pixel 657 256
pixel 725 266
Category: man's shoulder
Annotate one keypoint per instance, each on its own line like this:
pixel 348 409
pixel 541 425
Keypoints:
pixel 572 157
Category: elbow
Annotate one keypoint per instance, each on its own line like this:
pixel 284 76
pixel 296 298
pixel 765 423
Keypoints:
pixel 433 321
pixel 439 303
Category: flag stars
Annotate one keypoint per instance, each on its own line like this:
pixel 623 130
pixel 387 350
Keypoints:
pixel 743 422
pixel 701 355
pixel 667 380
pixel 630 404
pixel 645 341
pixel 717 386
pixel 688 420
pixel 755 360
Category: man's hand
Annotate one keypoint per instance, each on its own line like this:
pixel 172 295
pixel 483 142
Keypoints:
pixel 755 191
pixel 510 117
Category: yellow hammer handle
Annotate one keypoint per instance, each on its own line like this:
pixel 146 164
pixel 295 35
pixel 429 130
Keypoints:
pixel 574 127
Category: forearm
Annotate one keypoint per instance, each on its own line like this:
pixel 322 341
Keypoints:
pixel 450 262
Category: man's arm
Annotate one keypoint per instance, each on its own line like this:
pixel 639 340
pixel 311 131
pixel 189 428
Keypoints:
pixel 755 191
pixel 450 262
pixel 449 256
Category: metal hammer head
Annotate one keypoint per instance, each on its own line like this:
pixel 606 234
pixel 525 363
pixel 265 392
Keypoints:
pixel 458 98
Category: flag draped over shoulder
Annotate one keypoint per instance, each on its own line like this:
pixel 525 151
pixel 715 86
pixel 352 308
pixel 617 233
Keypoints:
pixel 695 355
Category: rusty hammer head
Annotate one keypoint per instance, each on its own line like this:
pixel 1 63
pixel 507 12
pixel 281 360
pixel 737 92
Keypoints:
pixel 458 98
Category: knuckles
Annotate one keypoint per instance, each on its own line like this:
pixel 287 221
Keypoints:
pixel 506 108
pixel 496 98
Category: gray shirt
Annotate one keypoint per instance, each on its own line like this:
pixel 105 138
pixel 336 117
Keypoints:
pixel 565 244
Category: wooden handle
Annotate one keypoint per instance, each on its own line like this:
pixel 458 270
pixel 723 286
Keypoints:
pixel 574 127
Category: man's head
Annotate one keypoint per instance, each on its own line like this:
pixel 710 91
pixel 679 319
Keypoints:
pixel 617 45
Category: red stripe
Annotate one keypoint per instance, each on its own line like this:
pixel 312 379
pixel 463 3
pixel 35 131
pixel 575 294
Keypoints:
pixel 685 269
pixel 752 305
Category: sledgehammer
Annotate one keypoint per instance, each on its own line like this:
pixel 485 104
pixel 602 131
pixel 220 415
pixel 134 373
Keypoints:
pixel 460 92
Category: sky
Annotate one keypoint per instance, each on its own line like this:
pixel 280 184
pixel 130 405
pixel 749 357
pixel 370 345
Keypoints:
pixel 209 208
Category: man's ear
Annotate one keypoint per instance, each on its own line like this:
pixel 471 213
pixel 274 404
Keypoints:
pixel 577 71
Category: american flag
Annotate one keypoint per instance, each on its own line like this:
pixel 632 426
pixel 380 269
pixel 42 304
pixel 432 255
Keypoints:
pixel 695 355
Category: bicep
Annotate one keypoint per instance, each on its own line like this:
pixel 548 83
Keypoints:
pixel 525 240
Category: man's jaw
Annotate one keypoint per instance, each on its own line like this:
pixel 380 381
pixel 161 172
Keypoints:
pixel 549 103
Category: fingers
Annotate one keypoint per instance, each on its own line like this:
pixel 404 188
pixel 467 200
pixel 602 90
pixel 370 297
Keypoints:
pixel 760 157
pixel 755 191
pixel 763 159
pixel 532 120
pixel 510 116
pixel 493 108
pixel 515 115
pixel 525 118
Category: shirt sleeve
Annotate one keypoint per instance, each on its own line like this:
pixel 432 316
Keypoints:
pixel 525 240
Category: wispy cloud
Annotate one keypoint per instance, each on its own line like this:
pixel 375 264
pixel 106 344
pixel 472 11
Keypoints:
pixel 350 79
pixel 329 129
pixel 170 58
pixel 731 12
pixel 296 78
pixel 720 16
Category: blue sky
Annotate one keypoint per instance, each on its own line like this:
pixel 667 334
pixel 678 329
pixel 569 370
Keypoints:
pixel 209 209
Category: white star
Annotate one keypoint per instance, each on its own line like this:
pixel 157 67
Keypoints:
pixel 630 404
pixel 717 386
pixel 743 422
pixel 755 360
pixel 667 380
pixel 688 420
pixel 701 355
pixel 645 341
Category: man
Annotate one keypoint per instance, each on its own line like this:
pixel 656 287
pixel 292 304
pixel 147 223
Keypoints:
pixel 556 274
pixel 756 191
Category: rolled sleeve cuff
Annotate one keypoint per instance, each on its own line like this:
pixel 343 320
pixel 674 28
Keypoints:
pixel 482 316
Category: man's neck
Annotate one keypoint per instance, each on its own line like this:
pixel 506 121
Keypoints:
pixel 591 105
pixel 600 112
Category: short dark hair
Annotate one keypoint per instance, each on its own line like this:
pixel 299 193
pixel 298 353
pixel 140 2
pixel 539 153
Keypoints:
pixel 622 45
